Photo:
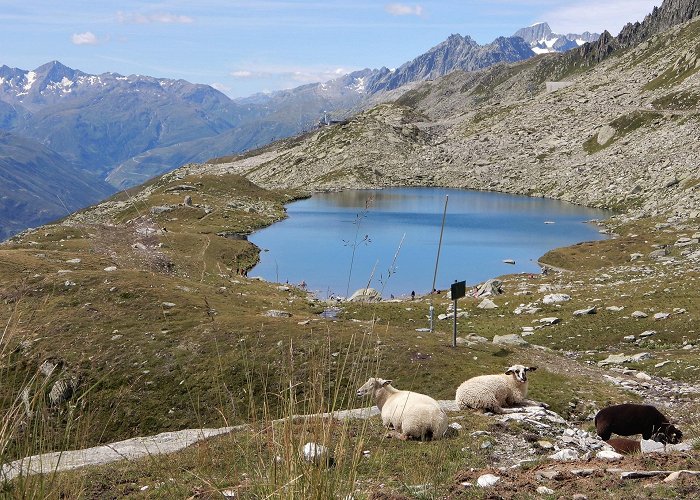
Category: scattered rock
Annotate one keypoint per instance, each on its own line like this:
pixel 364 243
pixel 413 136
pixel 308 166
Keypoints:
pixel 487 480
pixel 614 308
pixel 366 295
pixel 615 359
pixel 274 313
pixel 551 474
pixel 487 304
pixel 510 339
pixel 110 269
pixel 549 321
pixel 641 474
pixel 553 298
pixel 545 445
pixel 526 309
pixel 543 490
pixel 490 287
pixel 610 456
pixel 639 314
pixel 582 472
pixel 316 454
pixel 588 310
pixel 658 254
pixel 61 391
pixel 567 454
pixel 661 315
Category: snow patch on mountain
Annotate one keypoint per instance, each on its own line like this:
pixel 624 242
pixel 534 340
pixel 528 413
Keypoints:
pixel 31 78
pixel 359 85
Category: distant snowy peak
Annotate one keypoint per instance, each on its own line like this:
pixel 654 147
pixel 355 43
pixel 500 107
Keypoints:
pixel 543 40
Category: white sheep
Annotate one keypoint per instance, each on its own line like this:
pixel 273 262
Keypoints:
pixel 410 414
pixel 493 392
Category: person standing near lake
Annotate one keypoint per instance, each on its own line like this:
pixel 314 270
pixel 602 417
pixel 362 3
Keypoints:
pixel 413 295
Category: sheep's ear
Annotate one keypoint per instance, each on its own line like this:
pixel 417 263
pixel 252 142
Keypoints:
pixel 531 368
pixel 386 382
pixel 509 371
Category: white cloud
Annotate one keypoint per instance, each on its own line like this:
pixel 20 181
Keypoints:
pixel 158 17
pixel 598 15
pixel 242 74
pixel 292 75
pixel 399 9
pixel 87 38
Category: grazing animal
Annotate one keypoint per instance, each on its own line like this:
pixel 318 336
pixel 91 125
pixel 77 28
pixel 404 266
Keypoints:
pixel 625 446
pixel 410 414
pixel 629 418
pixel 493 392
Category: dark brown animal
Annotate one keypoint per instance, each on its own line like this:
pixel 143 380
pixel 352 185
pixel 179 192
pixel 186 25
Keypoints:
pixel 629 419
pixel 625 446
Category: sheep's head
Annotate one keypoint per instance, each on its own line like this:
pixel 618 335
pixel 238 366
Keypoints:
pixel 668 433
pixel 520 372
pixel 371 386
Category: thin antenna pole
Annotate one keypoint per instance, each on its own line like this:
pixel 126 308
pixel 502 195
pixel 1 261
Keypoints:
pixel 437 260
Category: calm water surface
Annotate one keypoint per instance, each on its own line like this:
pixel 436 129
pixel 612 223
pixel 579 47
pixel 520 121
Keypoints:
pixel 315 243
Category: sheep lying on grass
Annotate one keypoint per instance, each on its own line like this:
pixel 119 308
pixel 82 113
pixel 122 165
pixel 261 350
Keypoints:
pixel 628 419
pixel 410 414
pixel 493 392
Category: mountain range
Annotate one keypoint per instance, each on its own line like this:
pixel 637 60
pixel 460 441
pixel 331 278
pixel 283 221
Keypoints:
pixel 127 129
pixel 543 40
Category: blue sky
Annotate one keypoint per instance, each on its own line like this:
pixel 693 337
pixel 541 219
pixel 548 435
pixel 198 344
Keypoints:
pixel 244 47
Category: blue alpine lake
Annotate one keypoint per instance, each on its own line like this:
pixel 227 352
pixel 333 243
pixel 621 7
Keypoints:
pixel 336 243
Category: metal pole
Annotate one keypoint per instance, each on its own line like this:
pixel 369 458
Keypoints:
pixel 454 325
pixel 437 259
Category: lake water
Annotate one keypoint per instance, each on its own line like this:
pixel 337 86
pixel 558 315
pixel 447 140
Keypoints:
pixel 315 244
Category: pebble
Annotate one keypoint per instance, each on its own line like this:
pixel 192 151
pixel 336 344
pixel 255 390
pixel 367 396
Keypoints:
pixel 543 490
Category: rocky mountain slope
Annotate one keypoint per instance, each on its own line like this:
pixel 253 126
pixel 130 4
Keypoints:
pixel 620 135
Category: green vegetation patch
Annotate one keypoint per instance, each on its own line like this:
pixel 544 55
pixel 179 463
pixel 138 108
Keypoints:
pixel 622 126
pixel 683 100
pixel 683 68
